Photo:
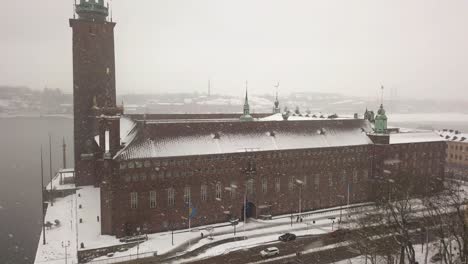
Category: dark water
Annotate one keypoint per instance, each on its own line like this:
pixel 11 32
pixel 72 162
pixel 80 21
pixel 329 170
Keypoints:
pixel 20 141
pixel 20 215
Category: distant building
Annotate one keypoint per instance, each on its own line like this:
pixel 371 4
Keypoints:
pixel 457 147
pixel 152 168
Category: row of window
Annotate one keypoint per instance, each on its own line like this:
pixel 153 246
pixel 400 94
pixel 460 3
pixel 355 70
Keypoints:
pixel 269 155
pixel 458 148
pixel 458 157
pixel 232 189
pixel 161 175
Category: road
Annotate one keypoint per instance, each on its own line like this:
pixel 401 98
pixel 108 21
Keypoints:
pixel 327 248
pixel 286 248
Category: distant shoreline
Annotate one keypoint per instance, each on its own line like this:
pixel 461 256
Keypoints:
pixel 8 116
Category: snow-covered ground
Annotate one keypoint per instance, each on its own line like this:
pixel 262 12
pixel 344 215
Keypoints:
pixel 81 212
pixel 53 251
pixel 85 206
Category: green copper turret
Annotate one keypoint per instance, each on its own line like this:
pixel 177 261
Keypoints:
pixel 92 10
pixel 381 121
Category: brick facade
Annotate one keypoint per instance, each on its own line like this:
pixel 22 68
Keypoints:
pixel 325 173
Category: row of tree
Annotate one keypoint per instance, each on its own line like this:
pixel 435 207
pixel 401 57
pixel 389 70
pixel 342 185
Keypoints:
pixel 401 222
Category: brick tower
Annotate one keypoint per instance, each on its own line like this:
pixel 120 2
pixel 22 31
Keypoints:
pixel 96 115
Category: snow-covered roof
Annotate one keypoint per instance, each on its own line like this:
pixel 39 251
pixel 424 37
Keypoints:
pixel 169 139
pixel 415 137
pixel 453 135
pixel 126 127
pixel 63 180
pixel 294 117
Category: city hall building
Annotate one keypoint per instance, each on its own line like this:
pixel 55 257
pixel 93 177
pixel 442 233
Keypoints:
pixel 152 168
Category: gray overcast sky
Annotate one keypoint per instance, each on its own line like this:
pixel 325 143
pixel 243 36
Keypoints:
pixel 419 47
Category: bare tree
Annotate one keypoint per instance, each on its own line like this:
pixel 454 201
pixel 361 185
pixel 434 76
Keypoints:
pixel 445 212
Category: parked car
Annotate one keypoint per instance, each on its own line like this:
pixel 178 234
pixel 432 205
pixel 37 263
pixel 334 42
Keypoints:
pixel 130 239
pixel 287 237
pixel 269 252
pixel 437 257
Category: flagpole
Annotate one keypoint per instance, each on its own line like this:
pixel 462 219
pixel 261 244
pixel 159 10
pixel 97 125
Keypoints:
pixel 42 200
pixel 189 223
pixel 50 170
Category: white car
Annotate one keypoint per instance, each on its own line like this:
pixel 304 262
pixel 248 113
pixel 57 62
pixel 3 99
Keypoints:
pixel 269 252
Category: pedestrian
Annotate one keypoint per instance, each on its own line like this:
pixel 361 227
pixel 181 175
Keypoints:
pixel 201 234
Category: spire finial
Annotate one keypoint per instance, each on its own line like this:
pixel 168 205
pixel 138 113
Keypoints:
pixel 246 92
pixel 381 95
pixel 277 86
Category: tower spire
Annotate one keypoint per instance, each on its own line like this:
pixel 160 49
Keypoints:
pixel 246 93
pixel 246 115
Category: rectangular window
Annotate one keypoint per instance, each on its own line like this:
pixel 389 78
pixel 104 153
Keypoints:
pixel 277 184
pixel 264 185
pixel 317 180
pixel 355 176
pixel 203 193
pixel 291 183
pixel 250 186
pixel 187 195
pixel 152 199
pixel 233 188
pixel 133 200
pixel 218 191
pixel 170 196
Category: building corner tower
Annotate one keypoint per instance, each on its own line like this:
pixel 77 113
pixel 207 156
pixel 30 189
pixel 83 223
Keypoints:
pixel 96 115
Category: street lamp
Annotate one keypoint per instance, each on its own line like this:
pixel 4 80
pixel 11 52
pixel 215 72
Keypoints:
pixel 234 222
pixel 300 184
pixel 341 206
pixel 65 246
pixel 251 169
pixel 138 244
